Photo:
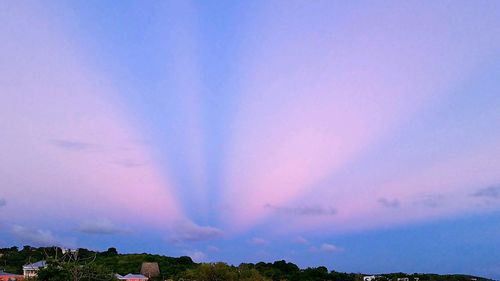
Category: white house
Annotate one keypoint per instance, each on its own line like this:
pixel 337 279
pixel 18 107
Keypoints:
pixel 369 278
pixel 31 270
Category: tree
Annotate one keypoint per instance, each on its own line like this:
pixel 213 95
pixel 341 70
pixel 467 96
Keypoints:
pixel 111 252
pixel 68 267
pixel 248 273
pixel 212 272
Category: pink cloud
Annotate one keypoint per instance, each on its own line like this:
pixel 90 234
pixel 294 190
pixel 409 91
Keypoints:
pixel 66 129
pixel 315 102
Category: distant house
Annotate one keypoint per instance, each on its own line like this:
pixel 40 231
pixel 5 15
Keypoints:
pixel 4 276
pixel 132 277
pixel 369 278
pixel 31 270
pixel 403 279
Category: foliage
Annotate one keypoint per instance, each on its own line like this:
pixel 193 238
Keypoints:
pixel 89 265
pixel 71 268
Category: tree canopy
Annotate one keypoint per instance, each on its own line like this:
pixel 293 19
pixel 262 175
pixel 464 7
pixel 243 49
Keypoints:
pixel 87 265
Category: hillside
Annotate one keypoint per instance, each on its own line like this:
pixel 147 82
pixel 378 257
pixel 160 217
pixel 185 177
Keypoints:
pixel 183 268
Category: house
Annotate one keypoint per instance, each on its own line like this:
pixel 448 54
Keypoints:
pixel 369 278
pixel 4 276
pixel 403 279
pixel 31 270
pixel 131 277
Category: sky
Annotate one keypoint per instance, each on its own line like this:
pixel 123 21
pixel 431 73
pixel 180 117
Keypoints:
pixel 359 135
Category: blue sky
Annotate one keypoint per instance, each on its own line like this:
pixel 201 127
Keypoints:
pixel 361 136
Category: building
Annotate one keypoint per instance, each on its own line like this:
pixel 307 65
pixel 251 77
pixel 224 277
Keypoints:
pixel 31 270
pixel 150 269
pixel 404 279
pixel 131 277
pixel 4 276
pixel 369 278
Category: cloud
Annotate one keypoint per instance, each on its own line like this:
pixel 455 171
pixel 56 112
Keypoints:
pixel 99 226
pixel 259 241
pixel 38 237
pixel 394 203
pixel 328 248
pixel 128 163
pixel 431 201
pixel 302 210
pixel 213 249
pixel 300 240
pixel 71 145
pixel 187 231
pixel 3 202
pixel 197 256
pixel 492 192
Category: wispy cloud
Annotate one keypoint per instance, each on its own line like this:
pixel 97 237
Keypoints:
pixel 128 163
pixel 325 248
pixel 300 240
pixel 197 256
pixel 188 231
pixel 389 203
pixel 329 248
pixel 39 237
pixel 491 192
pixel 302 210
pixel 100 226
pixel 71 144
pixel 430 200
pixel 212 248
pixel 3 202
pixel 259 241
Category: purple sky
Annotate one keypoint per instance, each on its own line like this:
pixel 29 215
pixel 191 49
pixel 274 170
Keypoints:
pixel 357 135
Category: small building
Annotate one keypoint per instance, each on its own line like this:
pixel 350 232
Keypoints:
pixel 131 277
pixel 4 276
pixel 369 278
pixel 31 270
pixel 404 279
pixel 150 269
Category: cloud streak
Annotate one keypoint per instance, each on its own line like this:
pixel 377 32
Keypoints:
pixel 71 145
pixel 329 248
pixel 188 231
pixel 39 237
pixel 197 256
pixel 324 248
pixel 388 203
pixel 259 241
pixel 100 226
pixel 490 192
pixel 302 210
pixel 300 240
pixel 128 163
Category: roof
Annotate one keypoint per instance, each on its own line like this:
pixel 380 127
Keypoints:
pixel 135 276
pixel 131 276
pixel 150 269
pixel 8 274
pixel 35 265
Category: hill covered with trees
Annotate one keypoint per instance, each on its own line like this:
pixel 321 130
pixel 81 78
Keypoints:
pixel 91 265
